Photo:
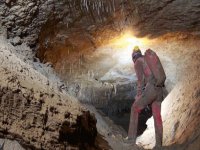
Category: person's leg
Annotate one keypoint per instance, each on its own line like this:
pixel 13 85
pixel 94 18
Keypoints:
pixel 156 110
pixel 147 97
pixel 132 132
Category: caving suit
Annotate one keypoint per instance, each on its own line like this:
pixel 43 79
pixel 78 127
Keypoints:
pixel 147 93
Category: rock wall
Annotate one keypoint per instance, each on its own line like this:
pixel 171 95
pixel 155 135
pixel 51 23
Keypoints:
pixel 9 144
pixel 36 113
pixel 77 27
pixel 156 17
pixel 24 19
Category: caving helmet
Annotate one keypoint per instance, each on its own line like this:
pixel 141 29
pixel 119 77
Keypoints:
pixel 136 49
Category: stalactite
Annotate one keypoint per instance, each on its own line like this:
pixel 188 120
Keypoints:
pixel 99 8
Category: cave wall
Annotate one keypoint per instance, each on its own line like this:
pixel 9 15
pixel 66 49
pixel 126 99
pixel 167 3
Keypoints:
pixel 27 24
pixel 146 17
pixel 36 113
pixel 24 19
pixel 157 17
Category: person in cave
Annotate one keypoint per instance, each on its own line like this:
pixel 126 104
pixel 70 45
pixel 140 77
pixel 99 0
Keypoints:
pixel 147 93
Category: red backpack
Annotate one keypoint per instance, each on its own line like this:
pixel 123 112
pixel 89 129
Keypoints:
pixel 155 66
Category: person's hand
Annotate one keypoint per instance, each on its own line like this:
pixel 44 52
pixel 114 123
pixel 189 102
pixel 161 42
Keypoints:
pixel 137 97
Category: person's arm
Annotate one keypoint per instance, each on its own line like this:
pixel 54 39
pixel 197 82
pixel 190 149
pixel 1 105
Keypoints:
pixel 140 76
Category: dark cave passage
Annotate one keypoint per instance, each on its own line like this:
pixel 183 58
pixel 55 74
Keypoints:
pixel 121 115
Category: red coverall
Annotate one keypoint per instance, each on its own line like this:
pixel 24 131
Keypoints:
pixel 150 95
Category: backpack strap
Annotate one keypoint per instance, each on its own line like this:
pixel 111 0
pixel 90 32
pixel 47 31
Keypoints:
pixel 135 56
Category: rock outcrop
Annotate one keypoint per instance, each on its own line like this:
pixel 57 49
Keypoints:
pixel 157 17
pixel 24 19
pixel 36 113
